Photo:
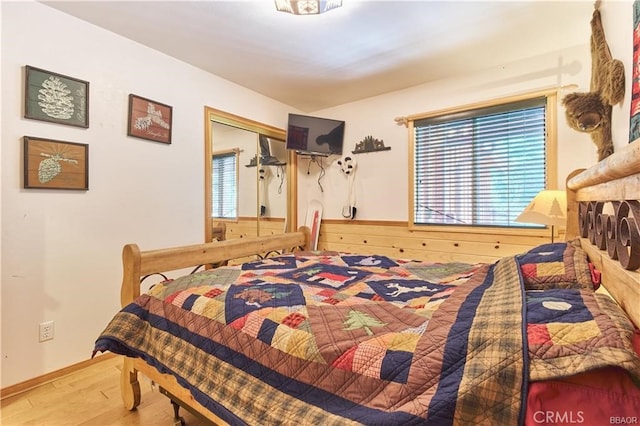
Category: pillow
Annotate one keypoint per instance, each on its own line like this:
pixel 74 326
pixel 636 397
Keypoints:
pixel 556 265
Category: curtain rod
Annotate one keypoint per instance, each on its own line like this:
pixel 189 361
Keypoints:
pixel 404 120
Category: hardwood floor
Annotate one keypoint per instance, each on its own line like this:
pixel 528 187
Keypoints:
pixel 90 397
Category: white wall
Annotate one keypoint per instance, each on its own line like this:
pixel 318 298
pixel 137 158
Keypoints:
pixel 382 177
pixel 61 249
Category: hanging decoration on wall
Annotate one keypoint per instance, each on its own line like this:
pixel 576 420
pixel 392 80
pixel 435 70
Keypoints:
pixel 56 98
pixel 634 128
pixel 590 112
pixel 348 168
pixel 55 164
pixel 149 119
pixel 369 144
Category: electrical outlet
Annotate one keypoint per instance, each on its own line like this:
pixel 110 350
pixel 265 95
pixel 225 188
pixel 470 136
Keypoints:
pixel 46 331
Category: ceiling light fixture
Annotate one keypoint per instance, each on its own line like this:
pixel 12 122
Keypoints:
pixel 307 7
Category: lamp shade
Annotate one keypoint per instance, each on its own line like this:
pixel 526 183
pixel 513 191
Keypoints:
pixel 549 207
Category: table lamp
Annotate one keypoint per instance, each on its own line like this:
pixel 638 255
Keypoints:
pixel 549 207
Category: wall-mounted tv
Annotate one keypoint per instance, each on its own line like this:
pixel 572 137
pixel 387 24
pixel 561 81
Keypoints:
pixel 315 135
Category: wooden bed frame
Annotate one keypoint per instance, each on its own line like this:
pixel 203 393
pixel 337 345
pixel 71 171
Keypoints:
pixel 139 264
pixel 603 210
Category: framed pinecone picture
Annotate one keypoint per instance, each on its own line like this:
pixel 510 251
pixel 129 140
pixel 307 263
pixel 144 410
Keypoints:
pixel 56 98
pixel 52 164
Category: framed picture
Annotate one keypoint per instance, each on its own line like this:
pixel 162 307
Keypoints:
pixel 55 164
pixel 149 119
pixel 56 98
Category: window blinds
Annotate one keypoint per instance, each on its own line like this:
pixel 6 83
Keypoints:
pixel 224 186
pixel 480 167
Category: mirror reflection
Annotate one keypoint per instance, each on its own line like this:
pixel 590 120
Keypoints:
pixel 249 182
pixel 233 184
pixel 272 193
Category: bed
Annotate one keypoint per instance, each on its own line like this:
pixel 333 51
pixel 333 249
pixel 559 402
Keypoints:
pixel 305 337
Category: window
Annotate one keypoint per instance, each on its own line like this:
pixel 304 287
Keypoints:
pixel 224 187
pixel 480 166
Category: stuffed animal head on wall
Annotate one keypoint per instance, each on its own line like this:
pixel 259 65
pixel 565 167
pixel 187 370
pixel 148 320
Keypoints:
pixel 590 112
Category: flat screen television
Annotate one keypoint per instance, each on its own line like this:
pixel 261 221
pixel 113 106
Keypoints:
pixel 314 135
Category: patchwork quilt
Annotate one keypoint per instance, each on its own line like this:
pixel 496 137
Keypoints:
pixel 335 338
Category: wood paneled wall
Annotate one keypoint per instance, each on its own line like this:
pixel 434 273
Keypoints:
pixel 395 239
pixel 248 227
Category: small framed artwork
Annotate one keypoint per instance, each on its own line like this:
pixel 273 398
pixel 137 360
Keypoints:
pixel 149 119
pixel 56 98
pixel 53 164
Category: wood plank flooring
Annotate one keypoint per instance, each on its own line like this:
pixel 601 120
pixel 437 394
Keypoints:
pixel 90 397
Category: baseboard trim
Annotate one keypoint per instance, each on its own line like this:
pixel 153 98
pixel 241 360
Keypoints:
pixel 21 387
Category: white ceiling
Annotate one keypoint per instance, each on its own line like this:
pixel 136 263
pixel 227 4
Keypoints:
pixel 365 48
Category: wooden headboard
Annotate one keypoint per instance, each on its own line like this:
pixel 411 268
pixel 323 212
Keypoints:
pixel 603 210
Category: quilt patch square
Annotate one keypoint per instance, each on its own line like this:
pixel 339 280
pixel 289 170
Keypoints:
pixel 544 253
pixel 330 276
pixel 556 306
pixel 406 290
pixel 367 360
pixel 537 334
pixel 267 331
pixel 210 308
pixel 579 333
pixel 441 272
pixel 395 366
pixel 378 358
pixel 278 262
pixel 368 261
pixel 242 300
pixel 549 268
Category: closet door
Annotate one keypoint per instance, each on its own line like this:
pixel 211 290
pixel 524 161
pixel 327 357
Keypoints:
pixel 250 177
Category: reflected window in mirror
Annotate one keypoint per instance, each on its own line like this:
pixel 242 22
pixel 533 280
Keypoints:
pixel 224 184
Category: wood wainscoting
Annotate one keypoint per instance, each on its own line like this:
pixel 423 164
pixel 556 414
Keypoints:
pixel 395 239
pixel 246 227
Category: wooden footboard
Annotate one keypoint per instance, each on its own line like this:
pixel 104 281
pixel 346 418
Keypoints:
pixel 137 264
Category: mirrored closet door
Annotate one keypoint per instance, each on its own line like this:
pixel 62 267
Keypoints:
pixel 249 177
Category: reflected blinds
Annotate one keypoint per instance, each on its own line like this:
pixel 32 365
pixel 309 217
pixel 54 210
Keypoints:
pixel 480 167
pixel 224 186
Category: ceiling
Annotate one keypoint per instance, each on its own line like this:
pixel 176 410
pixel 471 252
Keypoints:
pixel 365 48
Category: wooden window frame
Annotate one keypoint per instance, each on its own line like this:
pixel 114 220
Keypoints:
pixel 551 161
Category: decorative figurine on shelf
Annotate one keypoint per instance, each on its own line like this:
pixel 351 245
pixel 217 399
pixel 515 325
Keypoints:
pixel 253 162
pixel 369 144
